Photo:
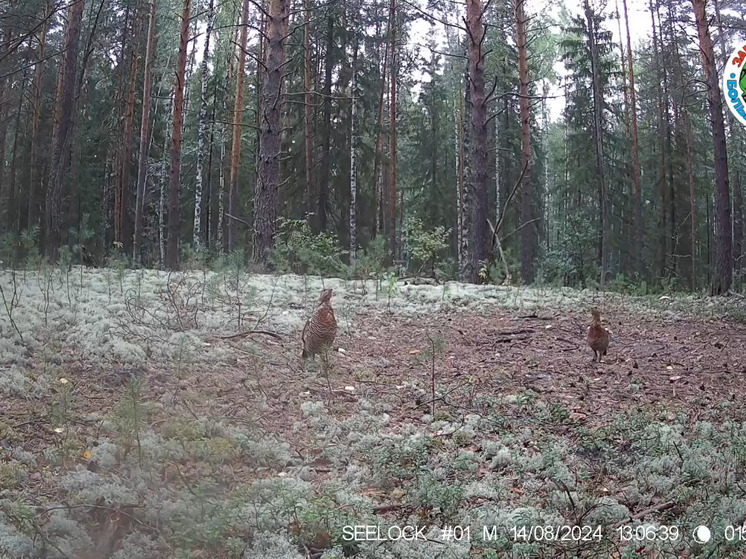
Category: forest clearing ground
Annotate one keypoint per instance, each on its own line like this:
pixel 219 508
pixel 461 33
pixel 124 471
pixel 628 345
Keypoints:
pixel 527 429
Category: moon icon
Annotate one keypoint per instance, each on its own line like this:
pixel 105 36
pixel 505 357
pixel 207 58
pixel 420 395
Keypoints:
pixel 701 534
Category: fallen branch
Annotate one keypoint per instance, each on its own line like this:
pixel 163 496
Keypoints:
pixel 249 333
pixel 387 508
pixel 237 219
pixel 642 514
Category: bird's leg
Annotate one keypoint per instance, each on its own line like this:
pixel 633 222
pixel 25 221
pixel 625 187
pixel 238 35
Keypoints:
pixel 325 370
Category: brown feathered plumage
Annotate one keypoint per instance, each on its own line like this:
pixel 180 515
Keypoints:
pixel 321 329
pixel 598 336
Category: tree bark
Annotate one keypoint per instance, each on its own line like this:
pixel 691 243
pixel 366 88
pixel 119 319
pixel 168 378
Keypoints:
pixel 62 130
pixel 477 32
pixel 267 196
pixel 527 215
pixel 721 279
pixel 172 248
pixel 237 129
pixel 202 131
pixel 142 156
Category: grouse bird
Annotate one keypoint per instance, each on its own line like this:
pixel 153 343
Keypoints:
pixel 598 336
pixel 321 329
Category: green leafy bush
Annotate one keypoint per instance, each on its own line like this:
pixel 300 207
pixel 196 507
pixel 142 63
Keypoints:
pixel 301 251
pixel 426 246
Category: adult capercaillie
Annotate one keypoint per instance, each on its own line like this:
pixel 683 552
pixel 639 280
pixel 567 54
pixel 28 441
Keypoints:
pixel 321 329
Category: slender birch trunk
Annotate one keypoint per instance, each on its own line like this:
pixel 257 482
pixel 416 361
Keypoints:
pixel 202 131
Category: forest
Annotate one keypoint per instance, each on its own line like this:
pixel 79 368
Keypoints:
pixel 415 136
pixel 278 275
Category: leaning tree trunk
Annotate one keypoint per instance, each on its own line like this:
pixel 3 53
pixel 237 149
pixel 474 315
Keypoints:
pixel 476 33
pixel 172 248
pixel 237 128
pixel 721 279
pixel 202 130
pixel 62 130
pixel 527 229
pixel 142 156
pixel 267 196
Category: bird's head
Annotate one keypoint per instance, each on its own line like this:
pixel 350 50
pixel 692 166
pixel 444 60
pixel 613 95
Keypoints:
pixel 326 295
pixel 595 314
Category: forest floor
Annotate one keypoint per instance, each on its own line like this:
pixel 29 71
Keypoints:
pixel 131 425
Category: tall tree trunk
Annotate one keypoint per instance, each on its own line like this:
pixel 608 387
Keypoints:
pixel 466 267
pixel 378 155
pixel 124 173
pixel 119 101
pixel 267 196
pixel 237 129
pixel 722 277
pixel 172 248
pixel 307 89
pixel 34 176
pixel 5 48
pixel 14 220
pixel 476 33
pixel 527 228
pixel 662 220
pixel 353 159
pixel 639 227
pixel 738 226
pixel 323 198
pixel 692 200
pixel 598 137
pixel 142 156
pixel 392 131
pixel 62 131
pixel 202 130
pixel 165 167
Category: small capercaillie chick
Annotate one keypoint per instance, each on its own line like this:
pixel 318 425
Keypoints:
pixel 321 329
pixel 598 336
